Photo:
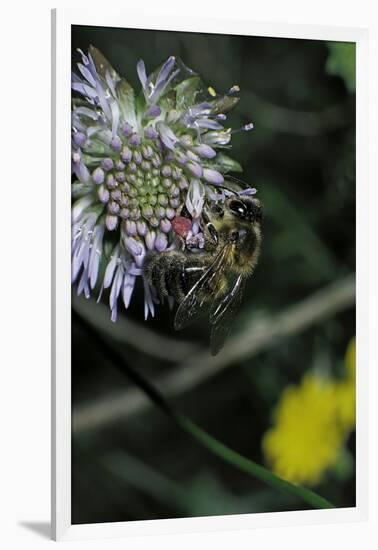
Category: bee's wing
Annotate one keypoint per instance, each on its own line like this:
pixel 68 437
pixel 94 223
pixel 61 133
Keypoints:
pixel 198 302
pixel 222 313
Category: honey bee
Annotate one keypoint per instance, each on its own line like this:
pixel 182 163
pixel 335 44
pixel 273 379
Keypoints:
pixel 212 282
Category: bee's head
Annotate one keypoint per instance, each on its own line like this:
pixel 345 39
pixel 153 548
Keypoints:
pixel 244 208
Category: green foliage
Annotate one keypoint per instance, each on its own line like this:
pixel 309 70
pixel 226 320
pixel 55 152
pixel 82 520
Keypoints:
pixel 187 91
pixel 226 164
pixel 301 158
pixel 248 466
pixel 342 62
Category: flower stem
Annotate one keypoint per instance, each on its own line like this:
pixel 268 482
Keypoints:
pixel 201 436
pixel 252 468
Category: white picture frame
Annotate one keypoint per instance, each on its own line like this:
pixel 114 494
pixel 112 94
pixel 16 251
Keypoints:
pixel 62 528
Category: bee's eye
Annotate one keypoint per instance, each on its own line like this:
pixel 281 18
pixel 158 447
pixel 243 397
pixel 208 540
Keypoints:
pixel 238 208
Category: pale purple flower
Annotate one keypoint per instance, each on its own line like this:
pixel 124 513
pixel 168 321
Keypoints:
pixel 195 241
pixel 167 136
pixel 155 86
pixel 195 198
pixel 213 176
pixel 205 151
pixel 135 169
pixel 161 242
pixel 248 192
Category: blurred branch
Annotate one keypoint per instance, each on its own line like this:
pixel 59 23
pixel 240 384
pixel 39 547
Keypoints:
pixel 128 332
pixel 133 471
pixel 255 337
pixel 213 445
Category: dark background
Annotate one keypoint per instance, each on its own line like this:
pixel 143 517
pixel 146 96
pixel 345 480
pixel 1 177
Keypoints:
pixel 136 464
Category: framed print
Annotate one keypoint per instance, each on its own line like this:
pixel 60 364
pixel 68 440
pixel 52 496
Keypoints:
pixel 209 330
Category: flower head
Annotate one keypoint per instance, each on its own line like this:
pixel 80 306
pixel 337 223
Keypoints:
pixel 312 422
pixel 346 390
pixel 305 440
pixel 136 163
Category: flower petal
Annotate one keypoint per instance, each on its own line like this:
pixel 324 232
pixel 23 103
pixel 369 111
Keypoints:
pixel 212 176
pixel 141 70
pixel 195 198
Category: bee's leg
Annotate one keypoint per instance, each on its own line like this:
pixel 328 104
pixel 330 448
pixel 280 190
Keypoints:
pixel 175 285
pixel 176 277
pixel 173 274
pixel 154 270
pixel 160 283
pixel 184 272
pixel 193 273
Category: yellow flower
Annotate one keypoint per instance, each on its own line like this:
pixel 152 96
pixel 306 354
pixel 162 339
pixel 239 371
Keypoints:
pixel 306 440
pixel 345 395
pixel 350 360
pixel 346 390
pixel 312 421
